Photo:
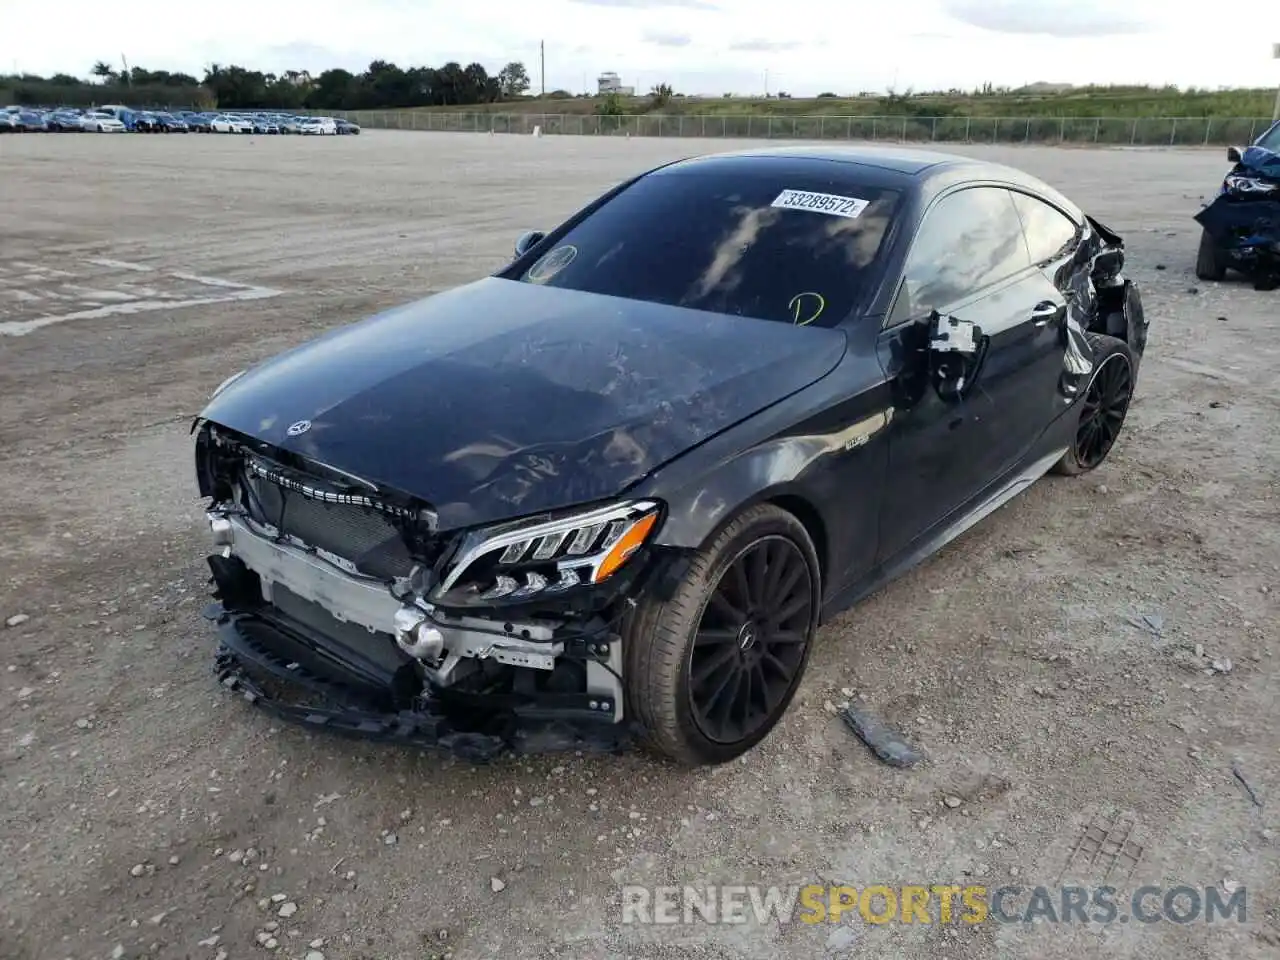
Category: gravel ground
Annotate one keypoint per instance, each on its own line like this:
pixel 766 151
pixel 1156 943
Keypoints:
pixel 1098 652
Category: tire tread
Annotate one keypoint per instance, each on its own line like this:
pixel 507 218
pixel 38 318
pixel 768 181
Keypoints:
pixel 1208 264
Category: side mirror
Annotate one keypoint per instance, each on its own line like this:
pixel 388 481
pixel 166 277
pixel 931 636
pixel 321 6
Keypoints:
pixel 1233 154
pixel 528 241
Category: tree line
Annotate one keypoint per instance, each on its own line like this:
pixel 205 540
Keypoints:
pixel 382 85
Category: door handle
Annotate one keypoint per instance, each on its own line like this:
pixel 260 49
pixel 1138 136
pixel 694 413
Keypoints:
pixel 1045 313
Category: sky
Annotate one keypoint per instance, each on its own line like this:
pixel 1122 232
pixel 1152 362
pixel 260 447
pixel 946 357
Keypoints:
pixel 711 47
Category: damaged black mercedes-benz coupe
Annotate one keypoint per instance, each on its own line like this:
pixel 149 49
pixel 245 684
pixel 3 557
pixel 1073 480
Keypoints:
pixel 609 493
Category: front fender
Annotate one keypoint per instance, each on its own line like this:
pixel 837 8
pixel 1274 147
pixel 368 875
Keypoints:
pixel 827 467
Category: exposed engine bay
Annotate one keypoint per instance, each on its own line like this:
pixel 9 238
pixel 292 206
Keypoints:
pixel 475 641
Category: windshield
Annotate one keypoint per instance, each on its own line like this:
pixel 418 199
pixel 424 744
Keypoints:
pixel 1270 140
pixel 752 242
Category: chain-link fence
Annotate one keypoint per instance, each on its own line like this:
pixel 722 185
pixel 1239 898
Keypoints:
pixel 1122 131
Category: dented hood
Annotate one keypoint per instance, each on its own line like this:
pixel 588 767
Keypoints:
pixel 1262 161
pixel 499 399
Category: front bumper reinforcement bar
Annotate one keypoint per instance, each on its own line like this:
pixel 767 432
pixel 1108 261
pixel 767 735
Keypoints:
pixel 244 663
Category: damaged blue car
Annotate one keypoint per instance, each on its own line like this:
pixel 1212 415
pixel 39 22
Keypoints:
pixel 1241 227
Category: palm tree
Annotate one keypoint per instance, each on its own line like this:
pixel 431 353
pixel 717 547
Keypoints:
pixel 103 71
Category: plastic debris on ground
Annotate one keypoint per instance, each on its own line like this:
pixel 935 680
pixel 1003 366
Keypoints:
pixel 887 744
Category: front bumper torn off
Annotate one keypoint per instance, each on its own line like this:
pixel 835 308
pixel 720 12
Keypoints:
pixel 336 609
pixel 253 658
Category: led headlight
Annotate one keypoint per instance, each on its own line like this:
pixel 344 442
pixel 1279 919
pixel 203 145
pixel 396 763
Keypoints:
pixel 1238 183
pixel 544 557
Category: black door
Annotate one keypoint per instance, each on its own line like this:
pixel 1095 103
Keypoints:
pixel 970 260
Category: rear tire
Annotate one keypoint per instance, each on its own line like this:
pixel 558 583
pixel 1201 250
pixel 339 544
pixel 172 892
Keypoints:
pixel 1209 262
pixel 1103 407
pixel 710 672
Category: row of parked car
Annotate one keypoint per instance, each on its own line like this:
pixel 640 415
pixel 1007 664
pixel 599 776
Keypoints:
pixel 116 119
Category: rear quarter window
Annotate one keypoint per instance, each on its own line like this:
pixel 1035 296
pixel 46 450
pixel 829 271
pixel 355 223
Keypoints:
pixel 1050 233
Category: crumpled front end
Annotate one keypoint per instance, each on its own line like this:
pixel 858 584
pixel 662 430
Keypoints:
pixel 341 605
pixel 1244 219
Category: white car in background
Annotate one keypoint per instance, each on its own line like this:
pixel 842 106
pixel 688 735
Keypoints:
pixel 225 124
pixel 99 121
pixel 318 125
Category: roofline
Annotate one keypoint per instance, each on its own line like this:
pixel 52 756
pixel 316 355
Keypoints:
pixel 931 159
pixel 849 161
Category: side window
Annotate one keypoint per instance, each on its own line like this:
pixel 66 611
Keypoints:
pixel 1049 232
pixel 968 241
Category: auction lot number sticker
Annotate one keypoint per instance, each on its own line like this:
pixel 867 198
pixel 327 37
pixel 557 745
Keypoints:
pixel 828 203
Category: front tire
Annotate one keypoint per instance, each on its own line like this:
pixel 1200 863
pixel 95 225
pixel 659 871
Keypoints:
pixel 1209 261
pixel 1103 407
pixel 710 671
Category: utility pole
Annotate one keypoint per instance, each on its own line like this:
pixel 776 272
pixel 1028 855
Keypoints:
pixel 542 55
pixel 1275 114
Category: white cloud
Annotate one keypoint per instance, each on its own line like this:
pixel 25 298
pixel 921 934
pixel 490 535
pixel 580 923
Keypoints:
pixel 651 4
pixel 806 46
pixel 1054 18
pixel 663 38
pixel 765 46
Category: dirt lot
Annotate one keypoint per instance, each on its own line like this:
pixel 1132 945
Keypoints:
pixel 1019 659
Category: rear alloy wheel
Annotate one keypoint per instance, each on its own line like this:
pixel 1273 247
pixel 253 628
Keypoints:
pixel 1103 407
pixel 710 671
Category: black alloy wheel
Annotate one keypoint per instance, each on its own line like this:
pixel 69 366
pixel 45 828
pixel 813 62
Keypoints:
pixel 749 647
pixel 712 659
pixel 1103 410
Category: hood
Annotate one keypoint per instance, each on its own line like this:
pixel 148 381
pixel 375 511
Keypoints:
pixel 500 399
pixel 1261 161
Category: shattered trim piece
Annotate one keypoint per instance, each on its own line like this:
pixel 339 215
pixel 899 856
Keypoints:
pixel 886 743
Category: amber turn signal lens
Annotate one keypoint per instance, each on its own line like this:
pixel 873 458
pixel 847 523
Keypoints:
pixel 627 544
